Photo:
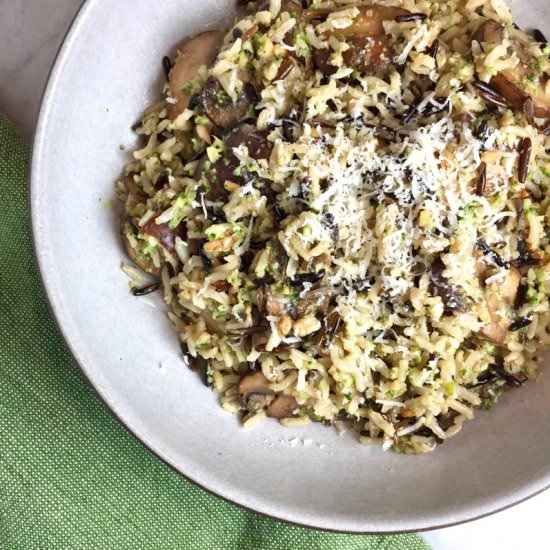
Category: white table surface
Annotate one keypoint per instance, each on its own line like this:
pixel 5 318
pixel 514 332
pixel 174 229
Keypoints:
pixel 31 33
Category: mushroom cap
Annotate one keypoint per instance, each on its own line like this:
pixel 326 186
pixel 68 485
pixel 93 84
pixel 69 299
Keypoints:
pixel 370 21
pixel 282 406
pixel 221 109
pixel 251 387
pixel 194 53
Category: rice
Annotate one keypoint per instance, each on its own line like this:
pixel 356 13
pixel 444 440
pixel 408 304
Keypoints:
pixel 315 215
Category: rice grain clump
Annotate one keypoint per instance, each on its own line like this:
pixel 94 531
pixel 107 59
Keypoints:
pixel 346 206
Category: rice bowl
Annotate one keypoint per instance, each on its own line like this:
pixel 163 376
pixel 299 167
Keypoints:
pixel 127 351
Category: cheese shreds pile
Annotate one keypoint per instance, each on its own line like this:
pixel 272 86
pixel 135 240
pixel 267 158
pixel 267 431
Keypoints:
pixel 346 208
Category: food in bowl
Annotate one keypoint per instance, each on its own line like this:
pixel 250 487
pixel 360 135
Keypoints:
pixel 346 207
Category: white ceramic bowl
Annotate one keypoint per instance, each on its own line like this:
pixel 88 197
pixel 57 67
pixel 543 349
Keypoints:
pixel 108 71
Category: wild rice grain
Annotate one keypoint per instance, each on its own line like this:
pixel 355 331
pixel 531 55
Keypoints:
pixel 482 130
pixel 520 323
pixel 433 50
pixel 411 17
pixel 146 290
pixel 524 149
pixel 482 182
pixel 410 112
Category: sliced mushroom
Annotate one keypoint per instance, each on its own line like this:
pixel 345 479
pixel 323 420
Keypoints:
pixel 495 330
pixel 276 306
pixel 315 301
pixel 509 83
pixel 369 54
pixel 370 48
pixel 163 235
pixel 194 53
pixel 282 406
pixel 509 288
pixel 259 147
pixel 142 261
pixel 498 304
pixel 321 62
pixel 254 391
pixel 370 21
pixel 129 227
pixel 221 109
pixel 490 31
pixel 227 167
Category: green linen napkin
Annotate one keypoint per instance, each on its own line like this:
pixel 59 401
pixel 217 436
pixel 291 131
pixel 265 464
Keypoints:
pixel 70 475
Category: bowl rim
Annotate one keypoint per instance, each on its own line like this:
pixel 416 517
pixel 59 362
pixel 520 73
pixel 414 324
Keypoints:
pixel 63 53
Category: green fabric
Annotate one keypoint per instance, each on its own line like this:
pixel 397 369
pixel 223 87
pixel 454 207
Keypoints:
pixel 70 475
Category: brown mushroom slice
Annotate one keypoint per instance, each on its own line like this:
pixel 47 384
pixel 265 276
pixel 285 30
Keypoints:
pixel 221 109
pixel 370 48
pixel 194 53
pixel 143 262
pixel 216 174
pixel 495 331
pixel 166 238
pixel 497 305
pixel 226 167
pixel 283 406
pixel 276 305
pixel 509 83
pixel 369 54
pixel 165 235
pixel 254 390
pixel 370 21
pixel 129 226
pixel 259 147
pixel 509 288
pixel 321 62
pixel 490 31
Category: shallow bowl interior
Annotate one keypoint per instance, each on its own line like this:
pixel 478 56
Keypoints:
pixel 107 73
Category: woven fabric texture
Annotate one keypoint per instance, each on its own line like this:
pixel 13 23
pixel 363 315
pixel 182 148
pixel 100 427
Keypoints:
pixel 70 475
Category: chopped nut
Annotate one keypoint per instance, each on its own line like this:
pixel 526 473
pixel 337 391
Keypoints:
pixel 306 326
pixel 491 157
pixel 425 219
pixel 482 312
pixel 231 186
pixel 285 325
pixel 204 133
pixel 449 160
pixel 220 245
